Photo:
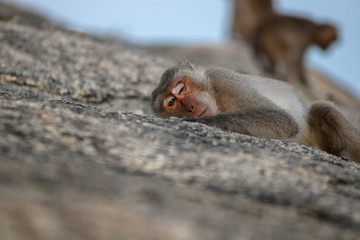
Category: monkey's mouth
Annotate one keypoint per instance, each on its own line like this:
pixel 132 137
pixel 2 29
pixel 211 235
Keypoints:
pixel 203 112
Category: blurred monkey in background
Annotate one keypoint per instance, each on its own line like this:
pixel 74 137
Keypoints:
pixel 279 42
pixel 248 14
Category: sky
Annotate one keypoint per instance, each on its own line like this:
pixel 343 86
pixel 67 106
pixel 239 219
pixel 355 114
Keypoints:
pixel 207 21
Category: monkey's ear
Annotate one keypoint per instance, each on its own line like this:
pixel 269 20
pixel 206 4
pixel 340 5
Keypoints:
pixel 187 64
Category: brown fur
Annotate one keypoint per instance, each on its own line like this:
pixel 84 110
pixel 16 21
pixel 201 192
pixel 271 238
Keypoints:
pixel 280 44
pixel 248 14
pixel 332 131
pixel 255 106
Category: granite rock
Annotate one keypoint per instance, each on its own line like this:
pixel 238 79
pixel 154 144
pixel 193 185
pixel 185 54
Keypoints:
pixel 83 157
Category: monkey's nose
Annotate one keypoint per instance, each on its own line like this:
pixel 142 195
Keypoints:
pixel 191 109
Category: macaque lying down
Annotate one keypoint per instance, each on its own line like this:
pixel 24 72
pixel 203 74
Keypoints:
pixel 252 105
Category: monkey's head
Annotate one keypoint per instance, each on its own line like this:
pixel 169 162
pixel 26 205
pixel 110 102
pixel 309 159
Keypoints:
pixel 325 35
pixel 182 92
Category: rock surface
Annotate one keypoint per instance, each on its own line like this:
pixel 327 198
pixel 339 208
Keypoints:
pixel 76 164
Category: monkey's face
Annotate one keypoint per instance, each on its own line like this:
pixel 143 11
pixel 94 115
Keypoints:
pixel 184 99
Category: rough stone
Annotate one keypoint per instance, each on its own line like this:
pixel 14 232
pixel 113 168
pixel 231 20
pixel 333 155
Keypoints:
pixel 82 157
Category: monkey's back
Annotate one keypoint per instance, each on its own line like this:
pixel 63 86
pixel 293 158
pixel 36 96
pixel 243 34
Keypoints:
pixel 249 91
pixel 285 31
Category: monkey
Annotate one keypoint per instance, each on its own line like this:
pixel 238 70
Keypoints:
pixel 248 14
pixel 280 44
pixel 278 41
pixel 252 105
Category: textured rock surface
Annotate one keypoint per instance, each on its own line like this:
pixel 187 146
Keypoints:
pixel 75 66
pixel 75 164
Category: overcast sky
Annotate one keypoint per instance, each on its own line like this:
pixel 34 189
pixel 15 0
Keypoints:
pixel 197 21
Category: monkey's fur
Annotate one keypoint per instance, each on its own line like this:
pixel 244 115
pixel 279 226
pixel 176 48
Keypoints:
pixel 252 105
pixel 280 44
pixel 279 41
pixel 248 14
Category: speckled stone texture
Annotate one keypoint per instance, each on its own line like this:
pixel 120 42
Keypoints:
pixel 83 157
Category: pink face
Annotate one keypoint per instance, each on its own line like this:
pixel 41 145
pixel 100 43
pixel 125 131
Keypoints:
pixel 183 100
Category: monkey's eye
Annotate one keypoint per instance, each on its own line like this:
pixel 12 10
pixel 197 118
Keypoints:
pixel 170 101
pixel 179 88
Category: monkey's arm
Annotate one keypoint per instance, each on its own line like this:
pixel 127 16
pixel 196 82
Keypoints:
pixel 262 122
